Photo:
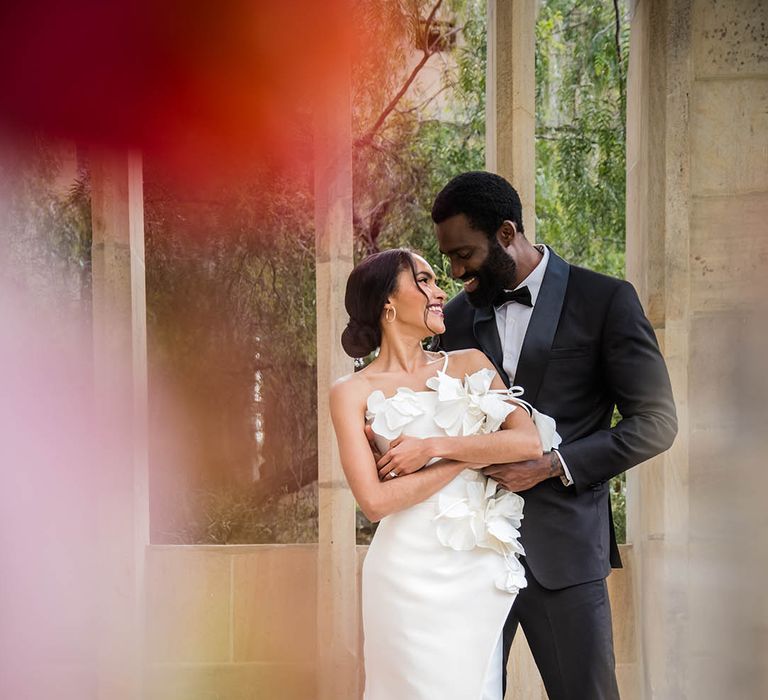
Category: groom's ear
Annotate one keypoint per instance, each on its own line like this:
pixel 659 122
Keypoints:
pixel 507 232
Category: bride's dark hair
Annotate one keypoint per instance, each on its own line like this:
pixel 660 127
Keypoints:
pixel 369 286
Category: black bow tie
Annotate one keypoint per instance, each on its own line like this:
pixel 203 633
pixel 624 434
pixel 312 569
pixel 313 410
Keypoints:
pixel 521 296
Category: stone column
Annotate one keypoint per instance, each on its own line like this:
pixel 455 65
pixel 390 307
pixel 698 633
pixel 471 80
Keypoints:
pixel 510 151
pixel 120 364
pixel 697 200
pixel 510 124
pixel 336 585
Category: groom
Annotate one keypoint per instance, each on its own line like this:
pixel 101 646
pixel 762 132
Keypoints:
pixel 579 343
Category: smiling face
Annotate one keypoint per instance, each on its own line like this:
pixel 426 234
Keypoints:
pixel 419 302
pixel 480 262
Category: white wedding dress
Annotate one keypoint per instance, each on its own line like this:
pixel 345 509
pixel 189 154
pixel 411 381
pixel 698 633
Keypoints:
pixel 440 577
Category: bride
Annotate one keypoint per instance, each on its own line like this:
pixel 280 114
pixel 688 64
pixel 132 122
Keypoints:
pixel 442 571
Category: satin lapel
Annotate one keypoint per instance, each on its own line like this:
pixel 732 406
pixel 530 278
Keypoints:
pixel 487 335
pixel 534 354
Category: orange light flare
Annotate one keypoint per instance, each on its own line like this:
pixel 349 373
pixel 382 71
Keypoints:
pixel 192 83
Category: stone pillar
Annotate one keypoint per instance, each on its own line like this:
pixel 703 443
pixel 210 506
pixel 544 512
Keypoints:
pixel 337 585
pixel 120 364
pixel 510 151
pixel 510 124
pixel 697 200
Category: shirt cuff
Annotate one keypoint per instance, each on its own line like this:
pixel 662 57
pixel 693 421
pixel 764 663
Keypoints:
pixel 566 477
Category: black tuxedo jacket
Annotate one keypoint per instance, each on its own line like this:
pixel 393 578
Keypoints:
pixel 588 347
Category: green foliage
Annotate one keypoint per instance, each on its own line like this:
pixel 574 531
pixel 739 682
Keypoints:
pixel 420 146
pixel 47 228
pixel 618 486
pixel 244 252
pixel 231 306
pixel 581 72
pixel 618 494
pixel 233 515
pixel 580 148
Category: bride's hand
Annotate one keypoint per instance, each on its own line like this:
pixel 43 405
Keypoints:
pixel 406 455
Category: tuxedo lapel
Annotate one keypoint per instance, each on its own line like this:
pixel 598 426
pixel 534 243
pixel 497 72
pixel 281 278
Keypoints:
pixel 534 354
pixel 487 336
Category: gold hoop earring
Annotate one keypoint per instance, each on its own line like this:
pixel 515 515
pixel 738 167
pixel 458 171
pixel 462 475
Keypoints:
pixel 394 314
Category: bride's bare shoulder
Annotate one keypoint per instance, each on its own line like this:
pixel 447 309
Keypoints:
pixel 461 362
pixel 351 388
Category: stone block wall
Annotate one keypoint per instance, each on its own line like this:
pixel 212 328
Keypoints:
pixel 697 206
pixel 239 623
pixel 235 622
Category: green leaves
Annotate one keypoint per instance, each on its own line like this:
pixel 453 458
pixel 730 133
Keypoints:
pixel 423 143
pixel 580 146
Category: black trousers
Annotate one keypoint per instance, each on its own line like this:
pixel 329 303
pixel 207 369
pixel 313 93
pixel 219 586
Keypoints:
pixel 569 633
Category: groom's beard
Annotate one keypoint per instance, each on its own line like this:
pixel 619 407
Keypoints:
pixel 497 273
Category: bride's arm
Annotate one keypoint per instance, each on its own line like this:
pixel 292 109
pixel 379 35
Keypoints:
pixel 376 498
pixel 518 439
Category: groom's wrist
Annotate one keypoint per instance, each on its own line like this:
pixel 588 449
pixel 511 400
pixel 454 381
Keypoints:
pixel 554 464
pixel 565 477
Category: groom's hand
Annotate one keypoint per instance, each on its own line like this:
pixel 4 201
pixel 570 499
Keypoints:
pixel 521 476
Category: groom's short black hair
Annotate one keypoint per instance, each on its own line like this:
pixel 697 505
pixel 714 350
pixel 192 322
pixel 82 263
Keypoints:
pixel 486 199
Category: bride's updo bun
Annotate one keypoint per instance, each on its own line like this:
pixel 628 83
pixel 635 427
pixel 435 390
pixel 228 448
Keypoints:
pixel 360 339
pixel 369 287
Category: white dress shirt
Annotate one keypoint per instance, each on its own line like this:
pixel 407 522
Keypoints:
pixel 512 321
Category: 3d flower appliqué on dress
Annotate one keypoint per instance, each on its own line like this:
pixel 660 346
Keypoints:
pixel 468 407
pixel 391 415
pixel 480 515
pixel 477 514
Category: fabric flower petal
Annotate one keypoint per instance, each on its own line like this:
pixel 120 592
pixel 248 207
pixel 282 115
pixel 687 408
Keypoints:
pixel 496 411
pixel 375 403
pixel 480 382
pixel 476 495
pixel 390 416
pixel 502 530
pixel 406 401
pixel 456 534
pixel 452 507
pixel 508 504
pixel 448 388
pixel 512 580
pixel 473 422
pixel 380 427
pixel 547 428
pixel 449 416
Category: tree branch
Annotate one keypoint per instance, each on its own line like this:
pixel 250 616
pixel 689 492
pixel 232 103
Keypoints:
pixel 428 50
pixel 617 37
pixel 432 98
